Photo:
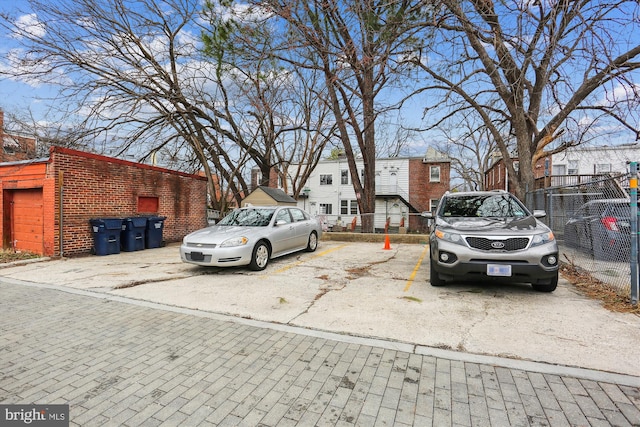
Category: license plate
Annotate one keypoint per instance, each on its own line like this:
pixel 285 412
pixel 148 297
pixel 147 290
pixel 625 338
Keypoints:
pixel 498 270
pixel 197 256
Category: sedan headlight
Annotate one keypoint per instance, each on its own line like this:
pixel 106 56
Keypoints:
pixel 235 241
pixel 449 237
pixel 541 239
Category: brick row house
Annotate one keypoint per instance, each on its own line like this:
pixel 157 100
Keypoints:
pixel 47 204
pixel 405 187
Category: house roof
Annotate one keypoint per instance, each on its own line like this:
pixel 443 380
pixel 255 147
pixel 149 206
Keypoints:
pixel 432 155
pixel 10 141
pixel 277 194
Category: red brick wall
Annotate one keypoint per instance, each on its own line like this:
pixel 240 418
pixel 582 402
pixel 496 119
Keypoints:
pixel 494 177
pixel 421 190
pixel 96 186
pixel 49 194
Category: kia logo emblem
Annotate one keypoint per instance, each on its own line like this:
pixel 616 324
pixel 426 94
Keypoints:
pixel 497 245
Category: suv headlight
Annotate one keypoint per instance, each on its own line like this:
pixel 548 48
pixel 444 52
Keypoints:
pixel 541 239
pixel 235 241
pixel 449 237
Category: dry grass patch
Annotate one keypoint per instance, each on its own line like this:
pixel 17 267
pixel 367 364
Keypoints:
pixel 598 290
pixel 10 256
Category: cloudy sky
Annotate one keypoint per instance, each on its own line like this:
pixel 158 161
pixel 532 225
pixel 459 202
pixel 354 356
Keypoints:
pixel 15 95
pixel 30 97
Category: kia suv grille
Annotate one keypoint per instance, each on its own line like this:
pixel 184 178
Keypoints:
pixel 511 244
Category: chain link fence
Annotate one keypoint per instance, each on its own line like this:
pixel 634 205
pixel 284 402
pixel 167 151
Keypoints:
pixel 592 222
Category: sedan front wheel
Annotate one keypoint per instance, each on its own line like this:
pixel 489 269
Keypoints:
pixel 259 257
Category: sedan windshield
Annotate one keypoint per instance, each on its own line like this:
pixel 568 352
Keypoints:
pixel 484 206
pixel 248 217
pixel 620 210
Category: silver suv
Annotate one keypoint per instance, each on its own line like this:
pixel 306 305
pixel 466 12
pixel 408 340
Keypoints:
pixel 491 235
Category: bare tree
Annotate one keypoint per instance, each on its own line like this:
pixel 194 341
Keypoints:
pixel 467 141
pixel 288 116
pixel 354 46
pixel 309 141
pixel 546 68
pixel 471 149
pixel 142 86
pixel 46 133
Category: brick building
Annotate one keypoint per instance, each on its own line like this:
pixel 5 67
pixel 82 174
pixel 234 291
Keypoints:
pixel 405 187
pixel 496 177
pixel 16 146
pixel 47 203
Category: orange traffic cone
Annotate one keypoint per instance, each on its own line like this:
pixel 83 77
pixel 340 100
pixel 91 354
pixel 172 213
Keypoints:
pixel 387 245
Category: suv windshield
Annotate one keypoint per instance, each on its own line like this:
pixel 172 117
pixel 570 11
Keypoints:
pixel 248 217
pixel 484 206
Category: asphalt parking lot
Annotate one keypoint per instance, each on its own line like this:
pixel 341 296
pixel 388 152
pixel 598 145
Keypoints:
pixel 364 290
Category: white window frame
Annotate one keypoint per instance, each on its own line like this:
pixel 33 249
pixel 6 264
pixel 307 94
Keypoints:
pixel 348 207
pixel 432 170
pixel 325 209
pixel 344 177
pixel 344 207
pixel 572 167
pixel 354 207
pixel 326 179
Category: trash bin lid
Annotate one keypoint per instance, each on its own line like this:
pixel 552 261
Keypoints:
pixel 138 222
pixel 108 223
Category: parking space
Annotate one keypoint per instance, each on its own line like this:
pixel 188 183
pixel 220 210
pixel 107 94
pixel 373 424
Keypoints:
pixel 364 290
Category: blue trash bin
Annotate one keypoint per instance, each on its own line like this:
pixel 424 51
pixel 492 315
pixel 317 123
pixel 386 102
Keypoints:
pixel 155 225
pixel 106 235
pixel 133 231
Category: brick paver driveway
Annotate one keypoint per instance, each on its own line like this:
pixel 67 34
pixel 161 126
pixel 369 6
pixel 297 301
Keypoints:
pixel 124 363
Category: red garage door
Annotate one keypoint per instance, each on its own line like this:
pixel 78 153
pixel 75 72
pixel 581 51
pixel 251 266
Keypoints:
pixel 26 220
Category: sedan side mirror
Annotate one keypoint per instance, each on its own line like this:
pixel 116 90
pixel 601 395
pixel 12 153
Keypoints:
pixel 537 213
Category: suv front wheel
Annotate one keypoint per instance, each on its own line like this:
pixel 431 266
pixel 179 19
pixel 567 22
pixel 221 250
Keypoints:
pixel 434 279
pixel 547 287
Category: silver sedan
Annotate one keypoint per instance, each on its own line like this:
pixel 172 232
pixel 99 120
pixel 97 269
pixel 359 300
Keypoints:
pixel 252 236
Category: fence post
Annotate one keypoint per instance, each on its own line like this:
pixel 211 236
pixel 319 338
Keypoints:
pixel 549 209
pixel 633 186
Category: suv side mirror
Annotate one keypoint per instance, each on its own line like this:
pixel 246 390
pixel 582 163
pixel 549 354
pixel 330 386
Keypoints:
pixel 427 214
